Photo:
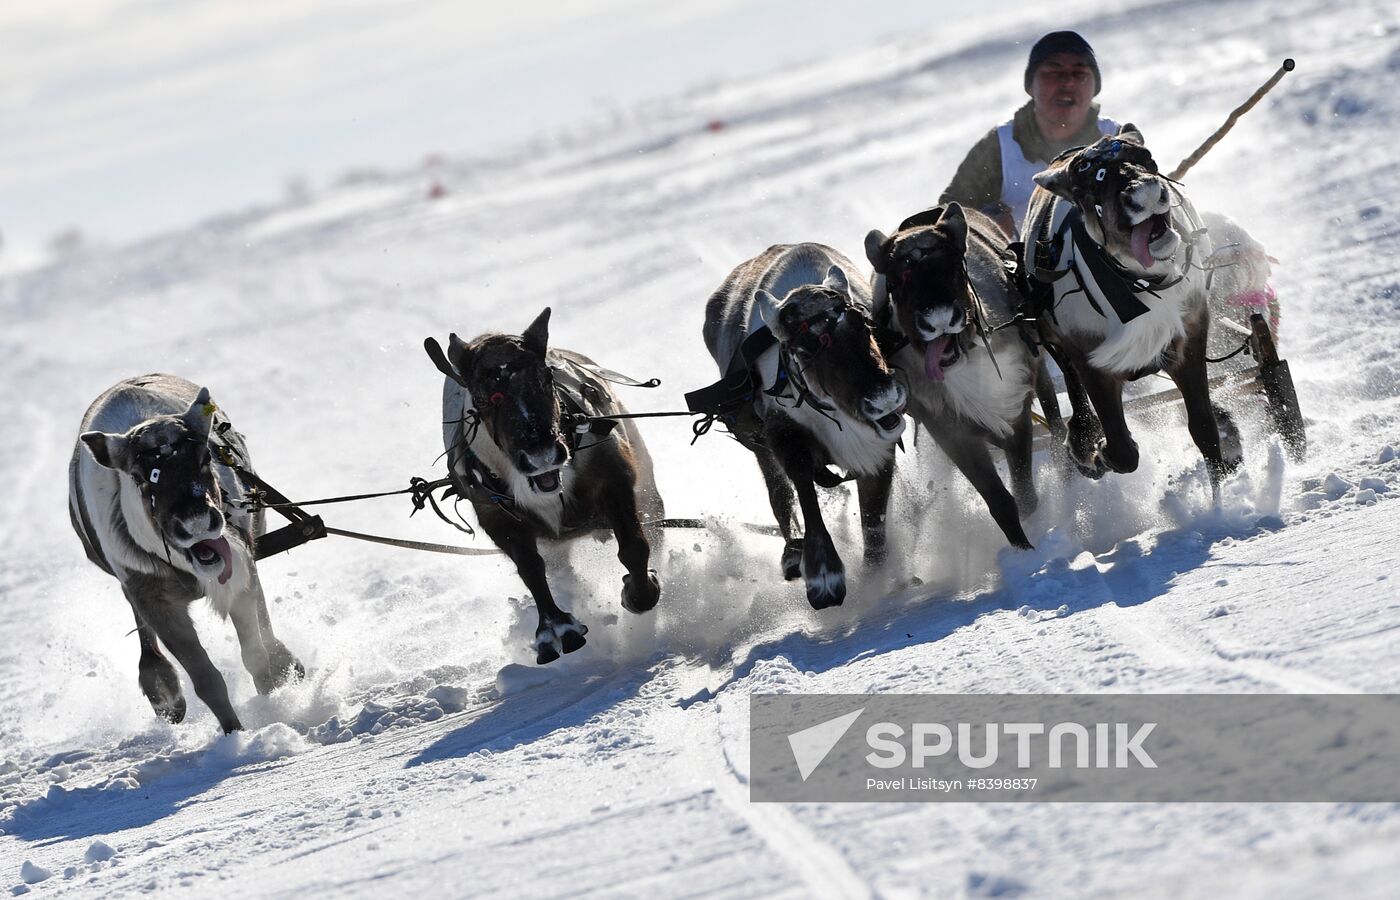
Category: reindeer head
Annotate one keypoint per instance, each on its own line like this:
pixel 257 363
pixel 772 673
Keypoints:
pixel 512 389
pixel 830 339
pixel 168 459
pixel 1125 203
pixel 926 276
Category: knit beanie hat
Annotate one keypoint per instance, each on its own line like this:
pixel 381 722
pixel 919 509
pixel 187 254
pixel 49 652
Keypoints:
pixel 1062 42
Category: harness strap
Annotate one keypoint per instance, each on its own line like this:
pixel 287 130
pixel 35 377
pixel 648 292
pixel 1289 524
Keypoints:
pixel 736 387
pixel 480 484
pixel 615 377
pixel 1105 276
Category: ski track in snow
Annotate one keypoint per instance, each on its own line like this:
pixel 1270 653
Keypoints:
pixel 426 754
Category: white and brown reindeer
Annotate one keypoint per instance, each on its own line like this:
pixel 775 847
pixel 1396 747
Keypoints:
pixel 1123 248
pixel 970 383
pixel 824 396
pixel 518 455
pixel 153 509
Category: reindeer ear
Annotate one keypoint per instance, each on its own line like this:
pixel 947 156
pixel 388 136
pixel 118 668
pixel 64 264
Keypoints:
pixel 836 281
pixel 459 354
pixel 875 249
pixel 200 414
pixel 1131 134
pixel 108 449
pixel 954 224
pixel 767 309
pixel 537 335
pixel 1056 181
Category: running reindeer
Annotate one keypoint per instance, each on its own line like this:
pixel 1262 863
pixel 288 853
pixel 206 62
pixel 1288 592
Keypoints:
pixel 831 397
pixel 970 386
pixel 156 510
pixel 512 412
pixel 1120 248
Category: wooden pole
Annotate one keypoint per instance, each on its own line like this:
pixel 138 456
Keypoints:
pixel 1220 132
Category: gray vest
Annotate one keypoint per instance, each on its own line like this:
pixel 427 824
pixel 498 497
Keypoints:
pixel 1017 172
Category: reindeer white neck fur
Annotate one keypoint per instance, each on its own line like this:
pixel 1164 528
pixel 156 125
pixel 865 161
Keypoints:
pixel 974 389
pixel 548 508
pixel 851 442
pixel 853 445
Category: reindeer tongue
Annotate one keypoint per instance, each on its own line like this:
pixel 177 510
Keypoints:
pixel 933 356
pixel 1141 239
pixel 220 546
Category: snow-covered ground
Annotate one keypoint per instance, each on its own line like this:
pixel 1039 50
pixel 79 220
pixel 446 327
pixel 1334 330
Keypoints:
pixel 426 754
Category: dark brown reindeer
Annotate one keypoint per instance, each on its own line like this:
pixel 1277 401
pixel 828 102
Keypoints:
pixel 152 508
pixel 1121 247
pixel 969 386
pixel 511 410
pixel 825 397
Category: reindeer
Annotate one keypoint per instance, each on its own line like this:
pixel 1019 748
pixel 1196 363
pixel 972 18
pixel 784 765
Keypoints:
pixel 155 510
pixel 969 387
pixel 512 412
pixel 1123 247
pixel 825 396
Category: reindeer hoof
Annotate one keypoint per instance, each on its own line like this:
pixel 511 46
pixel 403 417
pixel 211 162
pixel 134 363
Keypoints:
pixel 640 596
pixel 172 711
pixel 286 670
pixel 1231 446
pixel 562 635
pixel 792 560
pixel 1089 464
pixel 1092 472
pixel 161 686
pixel 825 586
pixel 1123 460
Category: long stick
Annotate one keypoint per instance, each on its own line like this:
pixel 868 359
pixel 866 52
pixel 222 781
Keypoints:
pixel 1220 132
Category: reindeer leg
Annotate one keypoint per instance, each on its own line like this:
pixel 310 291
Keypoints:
pixel 282 665
pixel 822 568
pixel 1117 451
pixel 264 656
pixel 1084 433
pixel 974 460
pixel 1049 401
pixel 1192 380
pixel 170 618
pixel 780 498
pixel 558 632
pixel 641 589
pixel 1018 460
pixel 158 678
pixel 873 492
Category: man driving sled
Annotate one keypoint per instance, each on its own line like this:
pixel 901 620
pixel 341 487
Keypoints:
pixel 1062 78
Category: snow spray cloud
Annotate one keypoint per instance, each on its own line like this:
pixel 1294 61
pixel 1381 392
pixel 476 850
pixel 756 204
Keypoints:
pixel 1075 748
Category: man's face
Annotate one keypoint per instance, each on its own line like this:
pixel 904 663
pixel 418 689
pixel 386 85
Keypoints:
pixel 1061 88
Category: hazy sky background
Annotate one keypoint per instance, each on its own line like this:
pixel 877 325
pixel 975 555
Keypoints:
pixel 128 117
